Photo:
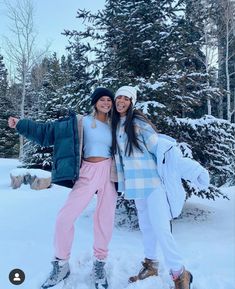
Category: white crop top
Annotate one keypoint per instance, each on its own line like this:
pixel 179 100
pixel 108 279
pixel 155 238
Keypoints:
pixel 98 140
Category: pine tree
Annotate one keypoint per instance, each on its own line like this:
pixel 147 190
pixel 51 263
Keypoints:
pixel 8 140
pixel 210 141
pixel 121 58
pixel 3 77
pixel 186 85
pixel 141 53
pixel 46 107
pixel 81 79
pixel 156 45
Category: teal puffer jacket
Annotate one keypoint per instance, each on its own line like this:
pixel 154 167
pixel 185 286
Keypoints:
pixel 63 135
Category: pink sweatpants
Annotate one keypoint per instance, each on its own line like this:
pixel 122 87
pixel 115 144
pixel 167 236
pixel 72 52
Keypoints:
pixel 93 177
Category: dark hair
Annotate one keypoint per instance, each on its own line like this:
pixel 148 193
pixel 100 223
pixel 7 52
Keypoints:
pixel 129 128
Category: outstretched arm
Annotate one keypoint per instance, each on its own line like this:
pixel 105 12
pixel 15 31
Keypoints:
pixel 41 133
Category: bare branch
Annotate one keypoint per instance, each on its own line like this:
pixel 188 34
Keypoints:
pixel 21 44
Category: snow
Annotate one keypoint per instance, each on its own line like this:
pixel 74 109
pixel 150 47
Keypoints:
pixel 145 105
pixel 205 234
pixel 33 172
pixel 207 119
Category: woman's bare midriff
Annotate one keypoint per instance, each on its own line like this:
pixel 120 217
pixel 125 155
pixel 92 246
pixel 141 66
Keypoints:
pixel 95 159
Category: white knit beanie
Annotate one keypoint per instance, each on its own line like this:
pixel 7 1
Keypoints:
pixel 128 91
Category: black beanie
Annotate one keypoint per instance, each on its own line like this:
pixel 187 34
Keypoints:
pixel 99 92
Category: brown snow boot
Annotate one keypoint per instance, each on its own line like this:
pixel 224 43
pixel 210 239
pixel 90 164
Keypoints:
pixel 149 268
pixel 184 280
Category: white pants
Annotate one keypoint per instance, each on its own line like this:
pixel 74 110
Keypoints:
pixel 154 221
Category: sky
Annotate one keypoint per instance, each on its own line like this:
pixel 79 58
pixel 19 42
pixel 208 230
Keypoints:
pixel 205 235
pixel 51 18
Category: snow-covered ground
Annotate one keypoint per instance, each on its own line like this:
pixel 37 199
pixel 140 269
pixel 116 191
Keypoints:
pixel 206 236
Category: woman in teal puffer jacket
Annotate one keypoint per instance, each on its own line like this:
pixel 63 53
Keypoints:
pixel 82 155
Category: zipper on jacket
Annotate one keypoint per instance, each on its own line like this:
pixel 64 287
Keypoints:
pixel 165 153
pixel 74 118
pixel 165 186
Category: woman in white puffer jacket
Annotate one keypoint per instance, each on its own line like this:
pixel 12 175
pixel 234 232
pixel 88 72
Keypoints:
pixel 150 167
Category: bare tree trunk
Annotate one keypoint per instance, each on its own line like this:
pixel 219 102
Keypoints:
pixel 228 93
pixel 207 65
pixel 210 46
pixel 24 72
pixel 21 47
pixel 220 75
pixel 226 39
pixel 208 106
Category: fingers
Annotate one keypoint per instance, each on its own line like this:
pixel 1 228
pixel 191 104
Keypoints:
pixel 12 122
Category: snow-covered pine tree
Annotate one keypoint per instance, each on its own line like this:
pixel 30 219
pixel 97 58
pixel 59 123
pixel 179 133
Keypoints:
pixel 8 139
pixel 186 85
pixel 131 39
pixel 186 78
pixel 163 49
pixel 3 77
pixel 211 141
pixel 47 106
pixel 80 78
pixel 136 38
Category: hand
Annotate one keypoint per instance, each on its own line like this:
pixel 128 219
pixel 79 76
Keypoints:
pixel 12 122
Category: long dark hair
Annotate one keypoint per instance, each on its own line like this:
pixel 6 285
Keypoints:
pixel 129 128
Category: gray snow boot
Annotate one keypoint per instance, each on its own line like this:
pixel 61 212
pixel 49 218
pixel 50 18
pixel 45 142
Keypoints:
pixel 99 274
pixel 60 271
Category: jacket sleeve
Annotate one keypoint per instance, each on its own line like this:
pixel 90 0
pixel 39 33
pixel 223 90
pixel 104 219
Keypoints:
pixel 193 171
pixel 41 133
